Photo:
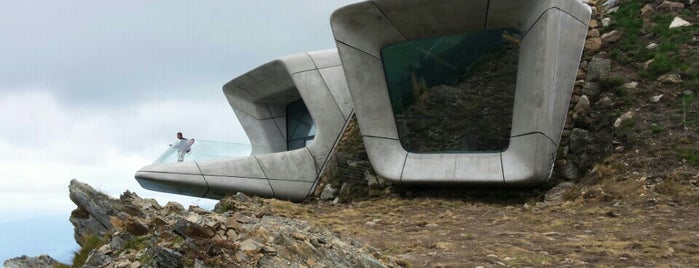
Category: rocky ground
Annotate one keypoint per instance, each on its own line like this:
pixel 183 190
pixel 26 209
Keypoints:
pixel 625 189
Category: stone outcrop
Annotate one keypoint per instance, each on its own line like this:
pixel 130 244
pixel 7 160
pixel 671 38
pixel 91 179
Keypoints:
pixel 43 261
pixel 137 232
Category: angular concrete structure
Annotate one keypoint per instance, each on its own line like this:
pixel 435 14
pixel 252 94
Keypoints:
pixel 293 109
pixel 406 59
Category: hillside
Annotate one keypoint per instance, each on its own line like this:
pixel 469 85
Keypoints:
pixel 625 180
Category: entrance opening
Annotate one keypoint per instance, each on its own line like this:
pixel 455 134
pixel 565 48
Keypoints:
pixel 454 93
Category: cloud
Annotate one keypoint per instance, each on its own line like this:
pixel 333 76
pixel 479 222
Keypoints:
pixel 105 53
pixel 49 143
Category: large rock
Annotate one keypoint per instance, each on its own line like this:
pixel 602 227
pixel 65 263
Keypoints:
pixel 598 68
pixel 94 212
pixel 97 212
pixel 242 233
pixel 579 138
pixel 43 261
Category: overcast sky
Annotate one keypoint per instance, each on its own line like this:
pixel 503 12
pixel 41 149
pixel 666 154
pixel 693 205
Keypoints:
pixel 94 90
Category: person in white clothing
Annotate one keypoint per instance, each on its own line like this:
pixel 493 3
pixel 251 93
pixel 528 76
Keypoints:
pixel 182 146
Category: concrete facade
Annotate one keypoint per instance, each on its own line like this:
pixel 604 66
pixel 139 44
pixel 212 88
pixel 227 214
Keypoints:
pixel 553 34
pixel 259 98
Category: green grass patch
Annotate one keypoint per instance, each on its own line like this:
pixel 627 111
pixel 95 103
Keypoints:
pixel 691 155
pixel 631 47
pixel 656 129
pixel 89 243
pixel 627 19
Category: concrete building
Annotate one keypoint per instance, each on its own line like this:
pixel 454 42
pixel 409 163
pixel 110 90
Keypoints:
pixel 453 91
pixel 293 109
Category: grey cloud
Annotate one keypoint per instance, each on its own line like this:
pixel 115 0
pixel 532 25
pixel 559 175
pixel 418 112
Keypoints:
pixel 104 53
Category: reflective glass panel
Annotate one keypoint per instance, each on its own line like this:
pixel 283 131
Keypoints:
pixel 205 150
pixel 300 128
pixel 453 93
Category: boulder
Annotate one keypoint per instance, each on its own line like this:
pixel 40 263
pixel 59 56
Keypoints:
pixel 43 261
pixel 598 68
pixel 579 138
pixel 593 44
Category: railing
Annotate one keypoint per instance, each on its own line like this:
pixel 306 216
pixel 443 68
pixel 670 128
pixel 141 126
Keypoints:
pixel 206 150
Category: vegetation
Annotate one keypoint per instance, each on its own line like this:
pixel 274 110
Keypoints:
pixel 665 58
pixel 89 243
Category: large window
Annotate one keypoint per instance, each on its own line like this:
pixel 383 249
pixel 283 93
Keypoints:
pixel 300 128
pixel 453 93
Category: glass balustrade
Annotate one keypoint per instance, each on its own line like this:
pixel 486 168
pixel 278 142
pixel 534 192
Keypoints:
pixel 205 150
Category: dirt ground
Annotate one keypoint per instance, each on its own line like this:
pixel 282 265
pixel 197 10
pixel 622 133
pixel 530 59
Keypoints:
pixel 474 229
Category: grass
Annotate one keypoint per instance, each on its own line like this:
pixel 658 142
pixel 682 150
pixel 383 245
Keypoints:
pixel 631 48
pixel 89 243
pixel 656 129
pixel 691 155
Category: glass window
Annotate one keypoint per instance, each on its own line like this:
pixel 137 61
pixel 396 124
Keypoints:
pixel 453 93
pixel 300 128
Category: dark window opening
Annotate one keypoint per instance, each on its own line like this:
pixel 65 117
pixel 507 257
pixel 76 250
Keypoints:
pixel 300 128
pixel 454 93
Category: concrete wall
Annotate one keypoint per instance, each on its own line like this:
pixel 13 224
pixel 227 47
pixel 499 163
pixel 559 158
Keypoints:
pixel 553 36
pixel 259 98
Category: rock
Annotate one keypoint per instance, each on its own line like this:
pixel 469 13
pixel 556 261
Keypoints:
pixel 648 63
pixel 250 246
pixel 165 257
pixel 136 227
pixel 555 195
pixel 94 212
pixel 43 261
pixel 593 33
pixel 609 3
pixel 630 85
pixel 329 192
pixel 647 10
pixel 670 79
pixel 173 208
pixel 625 117
pixel 612 37
pixel 593 44
pixel 241 234
pixel 570 171
pixel 579 138
pixel 594 24
pixel 668 6
pixel 119 240
pixel 656 99
pixel 606 22
pixel 652 46
pixel 193 230
pixel 591 89
pixel 598 68
pixel 679 22
pixel 198 210
pixel 583 104
pixel 612 10
pixel 97 259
